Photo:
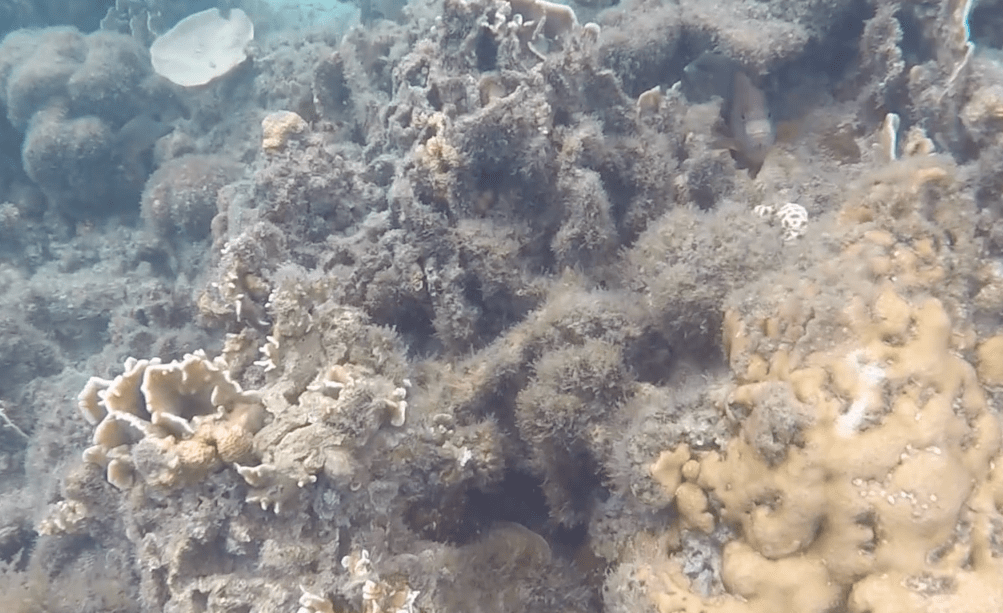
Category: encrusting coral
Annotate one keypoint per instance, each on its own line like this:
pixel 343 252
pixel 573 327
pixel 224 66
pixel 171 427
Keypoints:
pixel 867 463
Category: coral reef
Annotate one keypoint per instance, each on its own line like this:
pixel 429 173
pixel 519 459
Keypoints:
pixel 472 307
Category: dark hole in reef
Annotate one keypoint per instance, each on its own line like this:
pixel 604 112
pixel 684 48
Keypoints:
pixel 158 259
pixel 619 192
pixel 155 590
pixel 650 357
pixel 434 98
pixel 486 51
pixel 16 547
pixel 60 554
pixel 414 323
pixel 461 518
pixel 569 538
pixel 10 140
pixel 200 601
pixel 518 498
pixel 491 179
pixel 498 311
pixel 583 482
pixel 840 51
pixel 306 108
pixel 332 88
pixel 914 49
pixel 357 135
pixel 659 354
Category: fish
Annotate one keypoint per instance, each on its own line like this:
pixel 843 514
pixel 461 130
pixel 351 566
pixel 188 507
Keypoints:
pixel 749 130
pixel 753 132
pixel 710 75
pixel 140 133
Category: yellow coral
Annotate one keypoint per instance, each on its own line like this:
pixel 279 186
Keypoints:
pixel 278 127
pixel 196 457
pixel 233 443
pixel 990 361
pixel 667 469
pixel 890 501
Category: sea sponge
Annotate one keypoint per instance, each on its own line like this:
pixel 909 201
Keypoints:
pixel 73 97
pixel 69 160
pixel 109 81
pixel 38 70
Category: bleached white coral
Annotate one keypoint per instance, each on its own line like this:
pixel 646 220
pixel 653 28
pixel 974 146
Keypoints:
pixel 378 596
pixel 314 603
pixel 793 218
pixel 66 517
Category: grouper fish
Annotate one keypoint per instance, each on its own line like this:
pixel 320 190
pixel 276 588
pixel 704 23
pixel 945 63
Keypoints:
pixel 751 131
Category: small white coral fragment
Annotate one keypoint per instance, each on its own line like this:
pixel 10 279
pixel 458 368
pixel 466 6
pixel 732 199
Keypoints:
pixel 398 407
pixel 334 380
pixel 314 603
pixel 357 563
pixel 270 351
pixel 269 486
pixel 65 518
pixel 888 136
pixel 381 597
pixel 257 476
pixel 793 219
